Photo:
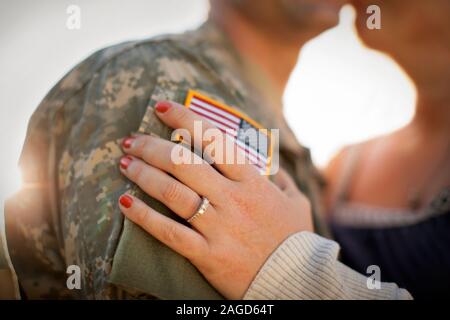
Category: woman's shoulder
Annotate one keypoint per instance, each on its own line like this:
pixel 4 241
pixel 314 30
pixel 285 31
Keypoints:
pixel 349 154
pixel 339 170
pixel 332 174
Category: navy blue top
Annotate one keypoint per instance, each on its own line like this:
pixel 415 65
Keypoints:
pixel 416 257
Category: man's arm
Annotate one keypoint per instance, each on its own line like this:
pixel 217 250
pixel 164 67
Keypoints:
pixel 305 266
pixel 67 213
pixel 30 233
pixel 8 282
pixel 43 233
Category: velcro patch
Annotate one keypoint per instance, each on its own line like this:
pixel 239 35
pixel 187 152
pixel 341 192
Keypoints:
pixel 256 142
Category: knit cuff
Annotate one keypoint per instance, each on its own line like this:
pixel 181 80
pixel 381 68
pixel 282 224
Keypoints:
pixel 305 266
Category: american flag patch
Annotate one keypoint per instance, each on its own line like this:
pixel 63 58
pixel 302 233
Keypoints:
pixel 257 146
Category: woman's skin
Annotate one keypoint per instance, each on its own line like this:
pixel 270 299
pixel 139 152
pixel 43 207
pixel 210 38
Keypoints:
pixel 246 221
pixel 391 168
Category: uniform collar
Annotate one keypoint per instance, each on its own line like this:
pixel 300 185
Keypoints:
pixel 223 57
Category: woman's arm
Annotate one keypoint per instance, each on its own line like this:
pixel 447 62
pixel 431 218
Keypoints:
pixel 305 266
pixel 245 221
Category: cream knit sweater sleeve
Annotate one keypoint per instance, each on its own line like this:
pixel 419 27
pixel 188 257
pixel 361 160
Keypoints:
pixel 305 266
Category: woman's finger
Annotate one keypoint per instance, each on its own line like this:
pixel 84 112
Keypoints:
pixel 176 196
pixel 178 237
pixel 285 182
pixel 227 156
pixel 191 169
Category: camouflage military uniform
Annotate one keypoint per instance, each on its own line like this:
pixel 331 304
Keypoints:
pixel 67 213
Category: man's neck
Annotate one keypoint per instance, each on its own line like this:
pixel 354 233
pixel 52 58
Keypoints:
pixel 432 114
pixel 270 60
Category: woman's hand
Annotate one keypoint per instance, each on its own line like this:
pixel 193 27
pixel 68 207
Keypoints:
pixel 247 219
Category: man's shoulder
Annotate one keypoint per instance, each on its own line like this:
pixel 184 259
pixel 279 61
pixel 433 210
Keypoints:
pixel 117 58
pixel 121 73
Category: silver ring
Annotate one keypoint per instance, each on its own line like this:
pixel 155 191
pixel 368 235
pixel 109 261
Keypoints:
pixel 201 210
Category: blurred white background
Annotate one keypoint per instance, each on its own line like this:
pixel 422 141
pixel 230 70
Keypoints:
pixel 340 92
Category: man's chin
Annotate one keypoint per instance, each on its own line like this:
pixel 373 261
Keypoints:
pixel 320 24
pixel 315 19
pixel 326 20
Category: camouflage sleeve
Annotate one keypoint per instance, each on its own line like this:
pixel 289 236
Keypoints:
pixel 32 236
pixel 67 212
pixel 70 153
pixel 117 259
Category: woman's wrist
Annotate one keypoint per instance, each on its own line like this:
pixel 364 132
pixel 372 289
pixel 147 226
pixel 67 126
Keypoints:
pixel 286 273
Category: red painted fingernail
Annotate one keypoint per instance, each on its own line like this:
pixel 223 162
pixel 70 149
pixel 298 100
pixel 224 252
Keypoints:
pixel 126 143
pixel 126 201
pixel 125 162
pixel 163 106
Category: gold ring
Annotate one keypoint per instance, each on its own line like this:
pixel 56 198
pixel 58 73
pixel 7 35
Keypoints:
pixel 201 210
